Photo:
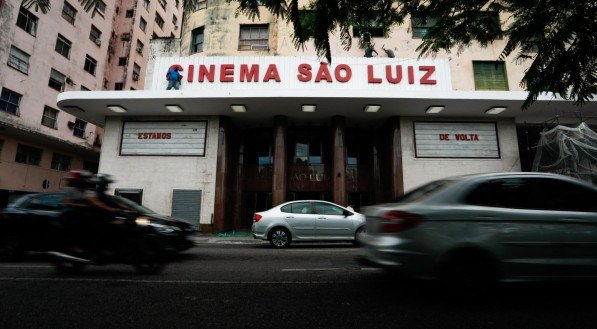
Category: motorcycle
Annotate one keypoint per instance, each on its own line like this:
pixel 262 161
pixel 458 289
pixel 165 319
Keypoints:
pixel 132 240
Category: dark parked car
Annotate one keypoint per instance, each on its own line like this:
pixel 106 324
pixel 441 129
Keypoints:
pixel 26 225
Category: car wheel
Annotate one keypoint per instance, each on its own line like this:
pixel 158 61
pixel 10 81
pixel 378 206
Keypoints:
pixel 9 249
pixel 359 237
pixel 279 237
pixel 468 275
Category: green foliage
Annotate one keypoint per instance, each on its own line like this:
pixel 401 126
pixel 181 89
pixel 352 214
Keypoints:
pixel 558 37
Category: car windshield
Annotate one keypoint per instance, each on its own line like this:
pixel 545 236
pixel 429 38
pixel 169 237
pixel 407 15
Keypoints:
pixel 134 205
pixel 424 191
pixel 20 202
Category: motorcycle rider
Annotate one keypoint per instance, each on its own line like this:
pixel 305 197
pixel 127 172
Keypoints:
pixel 86 213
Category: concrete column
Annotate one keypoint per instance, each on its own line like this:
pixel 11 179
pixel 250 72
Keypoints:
pixel 397 174
pixel 279 174
pixel 339 160
pixel 221 192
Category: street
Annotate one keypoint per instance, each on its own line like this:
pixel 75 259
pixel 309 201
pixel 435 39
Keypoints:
pixel 250 285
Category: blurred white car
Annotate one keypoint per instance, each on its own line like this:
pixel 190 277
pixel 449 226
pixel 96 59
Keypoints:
pixel 474 230
pixel 307 220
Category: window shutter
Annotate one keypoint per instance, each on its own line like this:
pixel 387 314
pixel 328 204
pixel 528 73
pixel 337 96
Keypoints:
pixel 186 205
pixel 488 76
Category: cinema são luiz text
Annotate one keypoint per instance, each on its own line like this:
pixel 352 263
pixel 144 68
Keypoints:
pixel 305 73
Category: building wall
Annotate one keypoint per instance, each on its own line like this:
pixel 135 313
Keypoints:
pixel 120 46
pixel 29 178
pixel 159 175
pixel 418 171
pixel 222 30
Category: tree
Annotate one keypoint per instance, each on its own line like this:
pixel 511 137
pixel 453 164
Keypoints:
pixel 558 37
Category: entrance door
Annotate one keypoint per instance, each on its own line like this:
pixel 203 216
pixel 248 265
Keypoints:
pixel 254 202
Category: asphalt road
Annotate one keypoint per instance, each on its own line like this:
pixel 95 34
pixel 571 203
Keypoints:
pixel 221 285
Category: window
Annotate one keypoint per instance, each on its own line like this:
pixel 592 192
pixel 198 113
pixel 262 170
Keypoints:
pixel 69 12
pixel 122 61
pixel 79 128
pixel 300 208
pixel 60 162
pixel 129 13
pixel 140 47
pixel 63 46
pixel 142 24
pixel 162 4
pixel 135 195
pixel 174 20
pixel 9 101
pixel 327 209
pixel 27 21
pixel 56 80
pixel 490 21
pixel 95 35
pixel 90 64
pixel 146 4
pixel 28 155
pixel 201 4
pixel 177 2
pixel 307 149
pixel 100 7
pixel 83 88
pixel 18 59
pixel 125 37
pixel 420 26
pixel 253 37
pixel 119 86
pixel 136 72
pixel 49 118
pixel 197 41
pixel 159 20
pixel 490 75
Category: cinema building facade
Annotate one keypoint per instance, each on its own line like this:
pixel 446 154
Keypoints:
pixel 253 129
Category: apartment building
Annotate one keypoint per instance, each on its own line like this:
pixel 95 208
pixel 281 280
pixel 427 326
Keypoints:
pixel 136 23
pixel 42 55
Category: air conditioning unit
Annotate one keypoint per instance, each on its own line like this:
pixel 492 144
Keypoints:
pixel 98 41
pixel 125 37
pixel 139 50
pixel 71 125
pixel 136 76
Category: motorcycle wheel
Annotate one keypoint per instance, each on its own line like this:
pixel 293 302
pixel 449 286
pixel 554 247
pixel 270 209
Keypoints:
pixel 149 258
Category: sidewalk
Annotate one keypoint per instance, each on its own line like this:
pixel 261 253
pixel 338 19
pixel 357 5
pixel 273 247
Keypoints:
pixel 232 237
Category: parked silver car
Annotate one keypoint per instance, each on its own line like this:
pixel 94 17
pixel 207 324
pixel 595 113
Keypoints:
pixel 307 220
pixel 471 231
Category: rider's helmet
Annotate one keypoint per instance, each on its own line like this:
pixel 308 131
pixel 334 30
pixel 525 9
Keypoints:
pixel 79 178
pixel 102 181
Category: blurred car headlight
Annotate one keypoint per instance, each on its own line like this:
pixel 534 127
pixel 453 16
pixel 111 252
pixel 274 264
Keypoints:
pixel 142 221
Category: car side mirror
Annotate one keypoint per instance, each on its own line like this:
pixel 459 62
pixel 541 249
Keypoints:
pixel 347 213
